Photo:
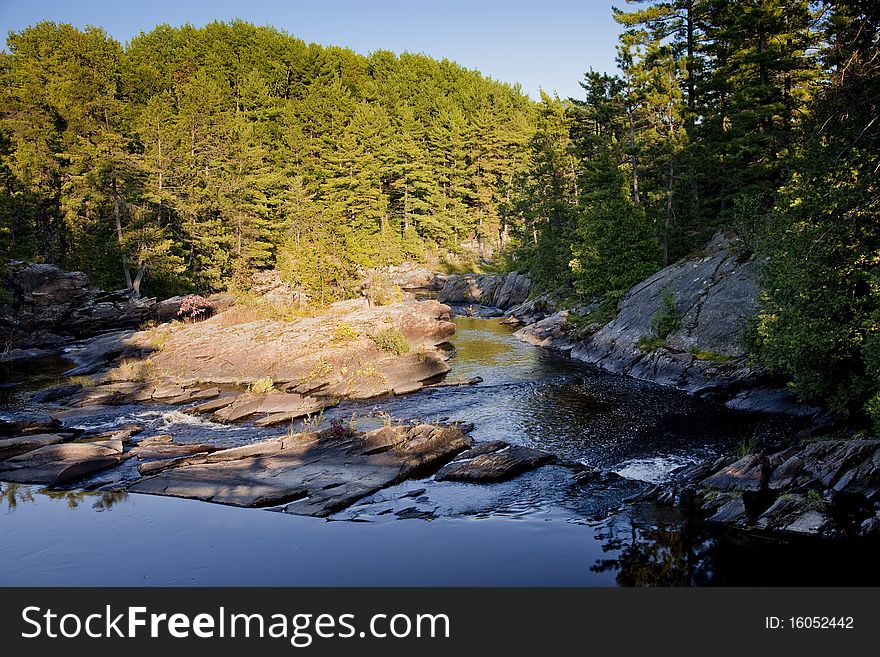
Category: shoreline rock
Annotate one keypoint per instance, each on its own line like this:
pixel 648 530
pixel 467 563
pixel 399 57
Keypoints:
pixel 827 488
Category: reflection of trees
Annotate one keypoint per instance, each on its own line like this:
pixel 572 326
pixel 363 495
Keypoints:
pixel 657 556
pixel 15 494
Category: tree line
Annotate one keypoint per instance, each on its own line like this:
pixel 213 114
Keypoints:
pixel 756 116
pixel 192 156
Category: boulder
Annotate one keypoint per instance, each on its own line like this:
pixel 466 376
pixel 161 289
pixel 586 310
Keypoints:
pixel 311 473
pixel 495 461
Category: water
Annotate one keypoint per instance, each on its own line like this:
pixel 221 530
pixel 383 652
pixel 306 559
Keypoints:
pixel 541 528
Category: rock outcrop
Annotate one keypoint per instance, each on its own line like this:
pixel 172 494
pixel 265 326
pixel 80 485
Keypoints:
pixel 411 276
pixel 502 291
pixel 828 488
pixel 714 294
pixel 48 306
pixel 493 461
pixel 351 351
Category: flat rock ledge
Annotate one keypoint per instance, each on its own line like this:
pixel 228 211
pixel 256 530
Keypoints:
pixel 313 474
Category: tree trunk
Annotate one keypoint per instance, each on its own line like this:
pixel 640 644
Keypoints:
pixel 136 285
pixel 634 158
pixel 669 213
pixel 117 216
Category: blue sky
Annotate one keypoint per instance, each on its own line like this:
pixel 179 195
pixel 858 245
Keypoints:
pixel 538 43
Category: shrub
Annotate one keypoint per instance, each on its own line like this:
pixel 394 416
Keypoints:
pixel 666 319
pixel 344 333
pixel 709 355
pixel 380 290
pixel 131 370
pixel 195 308
pixel 648 344
pixel 391 341
pixel 262 386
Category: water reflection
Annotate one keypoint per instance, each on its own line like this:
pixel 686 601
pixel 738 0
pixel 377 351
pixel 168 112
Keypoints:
pixel 688 553
pixel 13 494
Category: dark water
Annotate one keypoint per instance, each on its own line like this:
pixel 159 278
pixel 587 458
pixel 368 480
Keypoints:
pixel 541 528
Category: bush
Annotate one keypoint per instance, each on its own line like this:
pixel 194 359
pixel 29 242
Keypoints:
pixel 379 290
pixel 262 386
pixel 391 341
pixel 667 319
pixel 195 308
pixel 344 333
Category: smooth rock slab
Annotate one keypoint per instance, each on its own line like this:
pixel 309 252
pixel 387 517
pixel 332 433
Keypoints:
pixel 10 447
pixel 494 465
pixel 324 471
pixel 59 464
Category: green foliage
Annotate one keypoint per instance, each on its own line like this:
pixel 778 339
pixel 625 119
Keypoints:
pixel 667 319
pixel 648 343
pixel 819 317
pixel 391 341
pixel 191 154
pixel 344 333
pixel 262 386
pixel 709 355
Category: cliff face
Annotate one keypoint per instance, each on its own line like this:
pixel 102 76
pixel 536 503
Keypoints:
pixel 498 290
pixel 715 294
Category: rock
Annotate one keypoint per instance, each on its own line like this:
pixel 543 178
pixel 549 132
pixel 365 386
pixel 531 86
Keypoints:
pixel 411 276
pixel 715 294
pixel 156 451
pixel 791 474
pixel 747 474
pixel 19 355
pixel 549 332
pixel 499 291
pixel 95 354
pixel 10 447
pixel 324 471
pixel 846 466
pixel 58 464
pixel 796 514
pixel 280 407
pixel 454 383
pixel 771 400
pixel 55 393
pixel 502 463
pixel 731 512
pixel 306 355
pixel 166 310
pixel 222 401
pixel 195 394
pixel 49 301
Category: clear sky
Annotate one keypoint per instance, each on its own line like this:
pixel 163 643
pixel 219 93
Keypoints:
pixel 545 44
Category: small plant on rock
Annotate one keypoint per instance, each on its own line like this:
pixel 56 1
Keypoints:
pixel 344 333
pixel 667 319
pixel 391 341
pixel 195 308
pixel 262 386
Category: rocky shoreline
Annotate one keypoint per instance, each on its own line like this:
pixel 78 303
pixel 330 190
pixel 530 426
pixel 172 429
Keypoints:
pixel 232 368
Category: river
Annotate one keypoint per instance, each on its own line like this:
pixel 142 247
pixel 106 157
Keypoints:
pixel 541 528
